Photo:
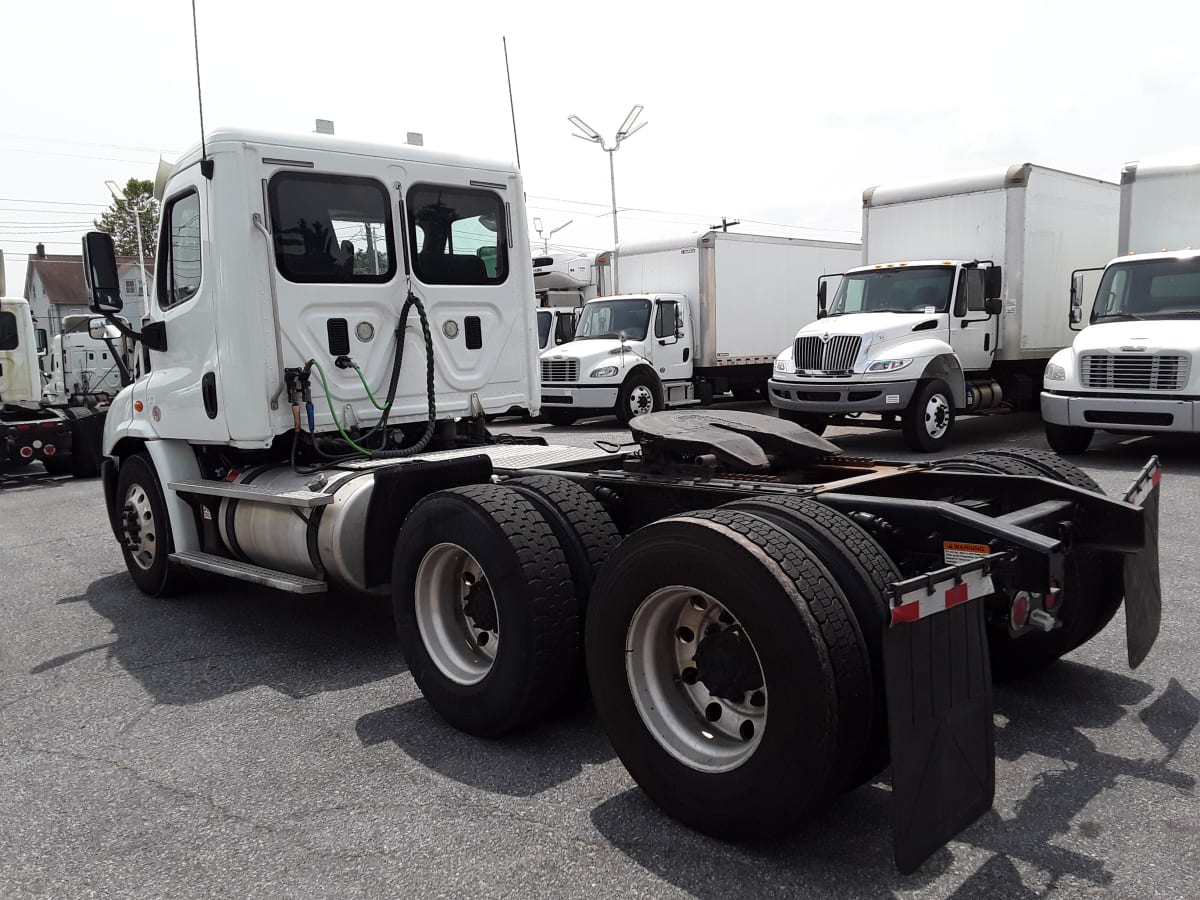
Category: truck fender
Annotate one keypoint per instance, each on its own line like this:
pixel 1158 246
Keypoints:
pixel 121 425
pixel 947 368
pixel 176 461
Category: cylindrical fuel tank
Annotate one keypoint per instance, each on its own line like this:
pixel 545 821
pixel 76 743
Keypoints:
pixel 296 540
pixel 983 395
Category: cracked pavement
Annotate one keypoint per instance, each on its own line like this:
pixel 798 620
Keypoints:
pixel 238 742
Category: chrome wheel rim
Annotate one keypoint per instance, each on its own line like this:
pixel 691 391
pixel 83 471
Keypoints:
pixel 141 533
pixel 456 614
pixel 937 416
pixel 696 679
pixel 641 400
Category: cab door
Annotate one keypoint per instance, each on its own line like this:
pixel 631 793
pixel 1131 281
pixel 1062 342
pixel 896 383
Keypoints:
pixel 671 347
pixel 972 331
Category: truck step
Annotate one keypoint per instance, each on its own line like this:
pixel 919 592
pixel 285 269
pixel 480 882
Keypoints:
pixel 302 499
pixel 283 581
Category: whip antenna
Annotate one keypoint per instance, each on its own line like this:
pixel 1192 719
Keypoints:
pixel 206 164
pixel 511 108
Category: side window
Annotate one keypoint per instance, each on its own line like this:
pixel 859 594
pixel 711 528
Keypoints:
pixel 975 290
pixel 564 329
pixel 180 267
pixel 331 229
pixel 1114 301
pixel 457 235
pixel 543 323
pixel 128 285
pixel 666 322
pixel 8 331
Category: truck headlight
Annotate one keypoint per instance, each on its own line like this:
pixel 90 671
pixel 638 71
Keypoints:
pixel 1055 373
pixel 888 365
pixel 781 365
pixel 603 372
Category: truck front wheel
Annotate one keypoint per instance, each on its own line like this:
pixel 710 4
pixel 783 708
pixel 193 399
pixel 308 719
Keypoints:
pixel 640 394
pixel 147 542
pixel 929 420
pixel 1065 439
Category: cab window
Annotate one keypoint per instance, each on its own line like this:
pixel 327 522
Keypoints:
pixel 178 276
pixel 666 321
pixel 457 235
pixel 8 331
pixel 970 292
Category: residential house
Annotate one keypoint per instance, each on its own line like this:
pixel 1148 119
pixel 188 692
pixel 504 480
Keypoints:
pixel 54 286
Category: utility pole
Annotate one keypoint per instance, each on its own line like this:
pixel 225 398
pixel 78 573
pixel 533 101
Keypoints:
pixel 725 223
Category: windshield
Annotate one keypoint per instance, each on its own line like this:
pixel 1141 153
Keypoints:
pixel 920 290
pixel 1154 289
pixel 608 318
pixel 544 318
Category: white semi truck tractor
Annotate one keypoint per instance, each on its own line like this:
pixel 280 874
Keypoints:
pixel 763 623
pixel 696 317
pixel 957 308
pixel 1132 369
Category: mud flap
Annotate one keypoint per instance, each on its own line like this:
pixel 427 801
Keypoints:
pixel 1143 590
pixel 939 696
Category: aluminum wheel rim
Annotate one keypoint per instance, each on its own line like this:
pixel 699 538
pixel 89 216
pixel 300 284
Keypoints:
pixel 641 400
pixel 463 649
pixel 937 416
pixel 139 515
pixel 704 732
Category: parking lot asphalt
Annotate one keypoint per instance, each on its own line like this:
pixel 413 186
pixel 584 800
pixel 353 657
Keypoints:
pixel 239 742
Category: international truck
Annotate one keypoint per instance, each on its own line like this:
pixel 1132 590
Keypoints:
pixel 762 622
pixel 63 436
pixel 1132 369
pixel 696 317
pixel 957 307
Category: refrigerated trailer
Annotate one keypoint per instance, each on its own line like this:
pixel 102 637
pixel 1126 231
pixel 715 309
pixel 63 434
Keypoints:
pixel 958 306
pixel 763 623
pixel 1132 369
pixel 697 317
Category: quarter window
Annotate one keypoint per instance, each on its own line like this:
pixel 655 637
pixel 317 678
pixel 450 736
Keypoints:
pixel 8 331
pixel 331 229
pixel 457 235
pixel 179 275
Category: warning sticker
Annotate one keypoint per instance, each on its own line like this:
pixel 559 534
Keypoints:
pixel 958 552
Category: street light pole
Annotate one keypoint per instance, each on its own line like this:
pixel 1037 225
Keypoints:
pixel 627 130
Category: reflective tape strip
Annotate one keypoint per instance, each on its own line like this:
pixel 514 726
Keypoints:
pixel 947 593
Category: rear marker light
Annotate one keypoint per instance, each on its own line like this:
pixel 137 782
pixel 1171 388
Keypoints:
pixel 26 452
pixel 48 449
pixel 1020 610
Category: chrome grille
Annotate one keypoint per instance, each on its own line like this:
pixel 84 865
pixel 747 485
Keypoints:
pixel 834 355
pixel 560 370
pixel 1106 371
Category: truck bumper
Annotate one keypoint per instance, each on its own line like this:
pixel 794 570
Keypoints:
pixel 825 398
pixel 1142 414
pixel 578 396
pixel 35 440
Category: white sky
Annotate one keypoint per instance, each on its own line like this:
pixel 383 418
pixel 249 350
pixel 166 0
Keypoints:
pixel 775 112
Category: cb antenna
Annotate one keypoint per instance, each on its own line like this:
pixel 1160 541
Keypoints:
pixel 206 164
pixel 512 109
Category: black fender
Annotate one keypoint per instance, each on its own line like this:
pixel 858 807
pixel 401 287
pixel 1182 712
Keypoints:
pixel 947 368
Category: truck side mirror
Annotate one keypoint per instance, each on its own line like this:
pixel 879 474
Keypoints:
pixel 1076 315
pixel 821 295
pixel 100 330
pixel 100 273
pixel 993 278
pixel 993 306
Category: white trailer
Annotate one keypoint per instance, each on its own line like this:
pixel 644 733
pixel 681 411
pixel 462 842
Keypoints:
pixel 958 306
pixel 752 646
pixel 696 317
pixel 1133 368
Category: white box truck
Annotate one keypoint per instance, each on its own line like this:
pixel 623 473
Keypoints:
pixel 696 317
pixel 562 283
pixel 958 306
pixel 1130 370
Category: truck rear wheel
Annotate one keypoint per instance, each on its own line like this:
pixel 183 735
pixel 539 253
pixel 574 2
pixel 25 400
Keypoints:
pixel 1066 439
pixel 814 423
pixel 147 542
pixel 863 571
pixel 484 608
pixel 640 394
pixel 1094 585
pixel 727 674
pixel 929 420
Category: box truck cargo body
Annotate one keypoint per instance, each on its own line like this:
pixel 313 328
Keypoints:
pixel 1131 369
pixel 957 307
pixel 700 316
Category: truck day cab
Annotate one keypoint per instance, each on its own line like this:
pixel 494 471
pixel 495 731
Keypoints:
pixel 762 622
pixel 958 307
pixel 1133 369
pixel 696 317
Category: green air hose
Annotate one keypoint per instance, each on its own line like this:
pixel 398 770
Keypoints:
pixel 329 401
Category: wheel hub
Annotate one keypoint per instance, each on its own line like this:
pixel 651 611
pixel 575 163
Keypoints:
pixel 137 522
pixel 456 613
pixel 727 666
pixel 480 608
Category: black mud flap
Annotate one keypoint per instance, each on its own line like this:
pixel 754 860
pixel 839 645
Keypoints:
pixel 1143 589
pixel 939 696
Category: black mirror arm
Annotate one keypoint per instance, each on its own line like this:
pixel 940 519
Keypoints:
pixel 154 335
pixel 119 359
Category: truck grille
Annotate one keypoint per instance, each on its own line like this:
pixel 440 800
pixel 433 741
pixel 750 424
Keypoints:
pixel 560 370
pixel 1106 371
pixel 834 355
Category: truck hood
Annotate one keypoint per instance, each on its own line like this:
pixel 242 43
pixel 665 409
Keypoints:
pixel 873 327
pixel 593 349
pixel 1150 336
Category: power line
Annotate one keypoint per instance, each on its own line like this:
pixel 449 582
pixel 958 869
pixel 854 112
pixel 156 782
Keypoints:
pixel 50 202
pixel 58 140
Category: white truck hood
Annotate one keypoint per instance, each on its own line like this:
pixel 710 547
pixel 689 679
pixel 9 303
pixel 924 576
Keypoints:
pixel 593 348
pixel 1151 335
pixel 873 327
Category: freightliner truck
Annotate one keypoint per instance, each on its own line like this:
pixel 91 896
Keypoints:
pixel 1132 369
pixel 762 622
pixel 957 308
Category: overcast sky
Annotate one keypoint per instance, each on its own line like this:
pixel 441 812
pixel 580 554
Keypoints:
pixel 777 114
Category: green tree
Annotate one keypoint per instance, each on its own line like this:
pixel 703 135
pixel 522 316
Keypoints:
pixel 119 220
